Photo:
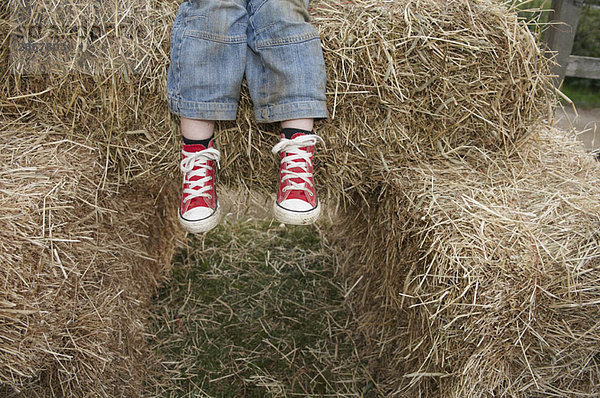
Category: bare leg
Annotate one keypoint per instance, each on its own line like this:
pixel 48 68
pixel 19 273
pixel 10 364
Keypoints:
pixel 197 129
pixel 304 124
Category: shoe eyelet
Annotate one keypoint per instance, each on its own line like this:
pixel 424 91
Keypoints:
pixel 310 193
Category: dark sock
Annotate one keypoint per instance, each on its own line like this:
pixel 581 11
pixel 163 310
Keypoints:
pixel 289 132
pixel 205 142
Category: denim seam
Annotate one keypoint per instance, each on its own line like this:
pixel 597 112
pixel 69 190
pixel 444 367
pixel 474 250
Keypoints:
pixel 190 18
pixel 287 40
pixel 259 7
pixel 264 28
pixel 208 110
pixel 262 61
pixel 179 44
pixel 239 39
pixel 316 108
pixel 265 77
pixel 205 105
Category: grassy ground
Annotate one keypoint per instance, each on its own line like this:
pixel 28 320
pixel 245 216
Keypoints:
pixel 256 310
pixel 583 92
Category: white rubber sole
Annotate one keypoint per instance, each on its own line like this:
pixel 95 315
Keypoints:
pixel 204 225
pixel 296 217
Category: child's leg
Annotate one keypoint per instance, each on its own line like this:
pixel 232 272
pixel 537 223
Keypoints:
pixel 285 71
pixel 197 130
pixel 208 52
pixel 302 124
pixel 208 57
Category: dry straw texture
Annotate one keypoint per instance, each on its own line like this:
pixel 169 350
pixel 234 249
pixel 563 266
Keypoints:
pixel 488 284
pixel 78 266
pixel 471 282
pixel 406 79
pixel 119 107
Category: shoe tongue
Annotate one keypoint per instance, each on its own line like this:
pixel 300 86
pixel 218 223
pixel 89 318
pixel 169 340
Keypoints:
pixel 296 135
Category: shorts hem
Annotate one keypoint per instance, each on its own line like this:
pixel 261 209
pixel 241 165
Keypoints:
pixel 291 110
pixel 203 110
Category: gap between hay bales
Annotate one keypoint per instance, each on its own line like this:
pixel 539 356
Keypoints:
pixel 255 309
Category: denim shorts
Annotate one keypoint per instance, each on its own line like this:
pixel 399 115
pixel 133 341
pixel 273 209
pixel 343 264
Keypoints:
pixel 215 42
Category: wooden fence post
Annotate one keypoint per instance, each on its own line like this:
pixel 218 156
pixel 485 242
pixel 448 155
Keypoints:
pixel 561 33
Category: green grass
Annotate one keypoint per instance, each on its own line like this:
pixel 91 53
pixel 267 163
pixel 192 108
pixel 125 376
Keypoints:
pixel 534 12
pixel 255 310
pixel 583 92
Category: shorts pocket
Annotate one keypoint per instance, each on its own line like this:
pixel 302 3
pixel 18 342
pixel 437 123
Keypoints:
pixel 215 29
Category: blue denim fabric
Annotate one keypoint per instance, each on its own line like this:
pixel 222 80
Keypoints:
pixel 215 42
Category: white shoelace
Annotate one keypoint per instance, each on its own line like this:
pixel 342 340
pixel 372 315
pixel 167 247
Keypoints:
pixel 200 159
pixel 292 147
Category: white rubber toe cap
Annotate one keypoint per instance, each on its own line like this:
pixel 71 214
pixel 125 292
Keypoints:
pixel 296 217
pixel 200 219
pixel 197 213
pixel 295 205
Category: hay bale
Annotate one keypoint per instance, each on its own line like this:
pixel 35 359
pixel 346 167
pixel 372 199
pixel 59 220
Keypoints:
pixel 406 79
pixel 411 85
pixel 487 284
pixel 415 79
pixel 80 258
pixel 119 103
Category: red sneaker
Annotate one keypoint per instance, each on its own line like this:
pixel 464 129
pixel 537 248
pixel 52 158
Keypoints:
pixel 297 201
pixel 199 210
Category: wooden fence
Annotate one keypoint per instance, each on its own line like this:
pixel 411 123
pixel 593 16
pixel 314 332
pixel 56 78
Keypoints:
pixel 559 39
